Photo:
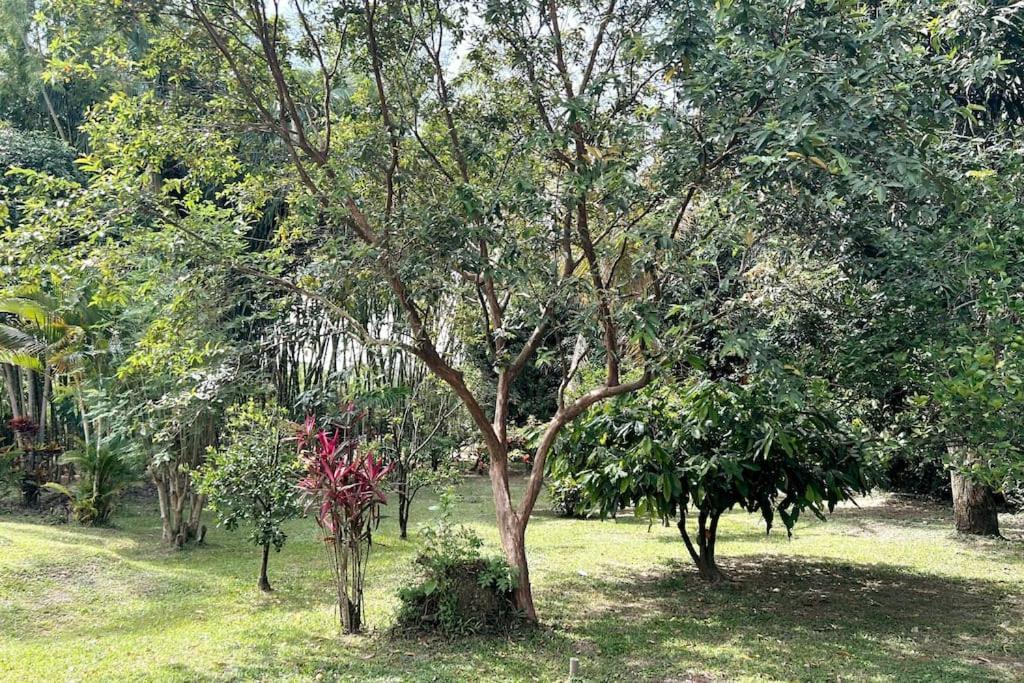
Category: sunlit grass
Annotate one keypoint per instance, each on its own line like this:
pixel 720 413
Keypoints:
pixel 885 592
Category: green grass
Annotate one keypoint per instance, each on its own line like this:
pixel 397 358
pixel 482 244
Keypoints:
pixel 881 593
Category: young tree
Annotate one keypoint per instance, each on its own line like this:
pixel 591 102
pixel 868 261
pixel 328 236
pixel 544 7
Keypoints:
pixel 252 477
pixel 414 422
pixel 420 443
pixel 708 446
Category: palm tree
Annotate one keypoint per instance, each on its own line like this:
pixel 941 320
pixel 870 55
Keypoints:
pixel 37 345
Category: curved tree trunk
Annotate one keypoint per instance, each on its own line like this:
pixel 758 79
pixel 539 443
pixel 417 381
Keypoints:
pixel 974 507
pixel 512 533
pixel 703 553
pixel 513 542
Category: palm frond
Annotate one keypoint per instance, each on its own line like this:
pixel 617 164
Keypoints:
pixel 13 339
pixel 27 309
pixel 21 359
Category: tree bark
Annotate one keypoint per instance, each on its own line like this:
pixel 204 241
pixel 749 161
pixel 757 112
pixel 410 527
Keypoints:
pixel 511 533
pixel 703 553
pixel 13 389
pixel 180 505
pixel 403 515
pixel 974 507
pixel 513 543
pixel 44 404
pixel 264 581
pixel 33 398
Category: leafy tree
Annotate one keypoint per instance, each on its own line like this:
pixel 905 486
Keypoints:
pixel 251 477
pixel 708 446
pixel 417 426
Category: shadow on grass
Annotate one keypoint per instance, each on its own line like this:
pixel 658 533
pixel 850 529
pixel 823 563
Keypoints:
pixel 810 620
pixel 536 654
pixel 897 509
pixel 783 619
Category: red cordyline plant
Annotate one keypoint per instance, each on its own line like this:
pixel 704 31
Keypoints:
pixel 343 484
pixel 23 425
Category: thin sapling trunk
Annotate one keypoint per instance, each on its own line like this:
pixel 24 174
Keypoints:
pixel 264 581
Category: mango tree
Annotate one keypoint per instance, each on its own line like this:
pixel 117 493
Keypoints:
pixel 700 449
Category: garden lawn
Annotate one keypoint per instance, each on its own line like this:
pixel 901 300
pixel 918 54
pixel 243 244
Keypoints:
pixel 884 592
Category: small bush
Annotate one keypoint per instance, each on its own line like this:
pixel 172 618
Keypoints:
pixel 566 496
pixel 105 471
pixel 461 592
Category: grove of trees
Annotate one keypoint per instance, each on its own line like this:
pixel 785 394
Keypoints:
pixel 684 256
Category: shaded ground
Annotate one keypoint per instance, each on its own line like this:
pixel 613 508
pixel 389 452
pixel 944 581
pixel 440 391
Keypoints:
pixel 884 592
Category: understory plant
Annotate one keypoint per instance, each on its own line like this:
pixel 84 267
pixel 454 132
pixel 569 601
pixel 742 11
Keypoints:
pixel 104 470
pixel 251 478
pixel 566 496
pixel 461 590
pixel 343 485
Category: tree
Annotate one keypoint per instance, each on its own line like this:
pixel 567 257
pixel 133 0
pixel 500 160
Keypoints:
pixel 708 446
pixel 36 341
pixel 252 477
pixel 413 421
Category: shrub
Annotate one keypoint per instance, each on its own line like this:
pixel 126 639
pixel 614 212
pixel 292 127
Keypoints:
pixel 343 482
pixel 461 591
pixel 566 496
pixel 36 151
pixel 105 470
pixel 708 446
pixel 8 473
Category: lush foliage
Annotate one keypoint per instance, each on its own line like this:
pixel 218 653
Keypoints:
pixel 251 478
pixel 414 423
pixel 545 205
pixel 460 591
pixel 105 470
pixel 708 446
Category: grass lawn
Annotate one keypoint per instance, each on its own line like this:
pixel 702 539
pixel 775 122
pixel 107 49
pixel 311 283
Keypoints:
pixel 884 592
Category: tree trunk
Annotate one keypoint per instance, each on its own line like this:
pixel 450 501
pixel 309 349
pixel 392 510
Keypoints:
pixel 404 502
pixel 180 505
pixel 13 389
pixel 44 404
pixel 13 385
pixel 513 542
pixel 703 554
pixel 512 533
pixel 974 507
pixel 264 581
pixel 403 516
pixel 33 398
